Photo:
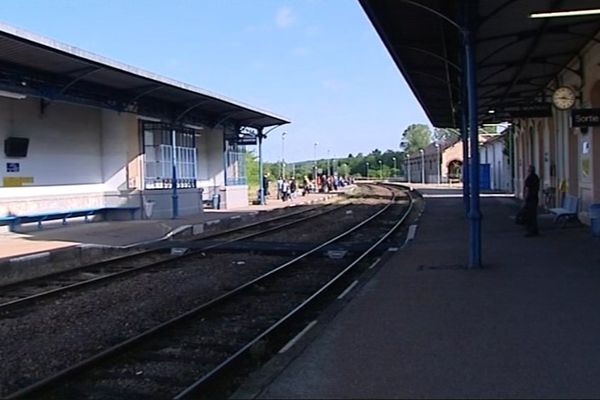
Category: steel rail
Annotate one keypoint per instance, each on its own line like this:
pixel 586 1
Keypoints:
pixel 121 273
pixel 213 374
pixel 120 347
pixel 104 263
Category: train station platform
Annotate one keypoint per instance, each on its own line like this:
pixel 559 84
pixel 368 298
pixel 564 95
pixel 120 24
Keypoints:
pixel 526 325
pixel 126 234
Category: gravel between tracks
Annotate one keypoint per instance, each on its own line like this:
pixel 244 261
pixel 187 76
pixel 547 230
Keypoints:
pixel 72 328
pixel 48 339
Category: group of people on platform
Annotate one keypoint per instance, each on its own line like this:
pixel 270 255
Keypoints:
pixel 287 189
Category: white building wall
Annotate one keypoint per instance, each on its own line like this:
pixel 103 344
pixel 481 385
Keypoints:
pixel 77 157
pixel 84 157
pixel 546 171
pixel 210 160
pixel 492 153
pixel 63 166
pixel 576 149
pixel 211 171
pixel 203 143
pixel 116 129
pixel 535 136
pixel 64 142
pixel 588 144
pixel 202 147
pixel 502 171
pixel 566 157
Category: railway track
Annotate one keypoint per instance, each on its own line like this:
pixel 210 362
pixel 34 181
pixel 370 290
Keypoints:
pixel 26 292
pixel 184 356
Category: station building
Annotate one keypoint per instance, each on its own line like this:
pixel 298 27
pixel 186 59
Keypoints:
pixel 563 143
pixel 532 63
pixel 441 162
pixel 495 152
pixel 82 131
pixel 438 162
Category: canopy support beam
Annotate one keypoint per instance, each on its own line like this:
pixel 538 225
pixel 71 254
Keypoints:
pixel 471 84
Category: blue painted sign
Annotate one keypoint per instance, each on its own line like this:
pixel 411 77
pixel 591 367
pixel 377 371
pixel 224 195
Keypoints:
pixel 13 167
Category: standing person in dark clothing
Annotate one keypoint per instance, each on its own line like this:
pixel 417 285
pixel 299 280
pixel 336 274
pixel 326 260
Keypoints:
pixel 265 183
pixel 530 193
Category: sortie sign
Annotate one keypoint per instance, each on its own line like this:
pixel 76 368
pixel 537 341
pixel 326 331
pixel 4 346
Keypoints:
pixel 585 117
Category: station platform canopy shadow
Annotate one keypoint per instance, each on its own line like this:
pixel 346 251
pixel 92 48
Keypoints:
pixel 517 58
pixel 42 68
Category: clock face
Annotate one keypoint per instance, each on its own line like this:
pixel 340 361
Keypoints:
pixel 563 98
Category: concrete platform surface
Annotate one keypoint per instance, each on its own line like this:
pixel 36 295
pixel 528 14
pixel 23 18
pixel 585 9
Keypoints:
pixel 525 326
pixel 55 236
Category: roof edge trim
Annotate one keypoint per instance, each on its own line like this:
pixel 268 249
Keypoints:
pixel 74 51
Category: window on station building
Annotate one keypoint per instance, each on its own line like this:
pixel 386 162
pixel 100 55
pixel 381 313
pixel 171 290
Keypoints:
pixel 158 156
pixel 236 164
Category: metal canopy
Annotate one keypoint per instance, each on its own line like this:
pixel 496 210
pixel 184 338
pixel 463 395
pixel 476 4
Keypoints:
pixel 53 71
pixel 517 57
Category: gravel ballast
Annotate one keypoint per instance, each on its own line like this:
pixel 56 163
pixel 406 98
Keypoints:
pixel 55 334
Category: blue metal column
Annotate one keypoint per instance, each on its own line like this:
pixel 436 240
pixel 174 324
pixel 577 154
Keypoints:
pixel 174 196
pixel 225 156
pixel 465 146
pixel 464 113
pixel 260 167
pixel 471 81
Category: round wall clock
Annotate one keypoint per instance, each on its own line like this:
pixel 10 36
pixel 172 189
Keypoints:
pixel 563 98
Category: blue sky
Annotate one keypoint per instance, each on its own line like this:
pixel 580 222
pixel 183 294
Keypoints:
pixel 319 63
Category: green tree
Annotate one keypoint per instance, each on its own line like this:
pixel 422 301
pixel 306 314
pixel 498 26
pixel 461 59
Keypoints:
pixel 490 128
pixel 251 172
pixel 415 137
pixel 300 170
pixel 445 135
pixel 272 169
pixel 344 169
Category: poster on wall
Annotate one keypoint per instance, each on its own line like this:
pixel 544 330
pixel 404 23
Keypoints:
pixel 16 181
pixel 585 149
pixel 585 167
pixel 13 167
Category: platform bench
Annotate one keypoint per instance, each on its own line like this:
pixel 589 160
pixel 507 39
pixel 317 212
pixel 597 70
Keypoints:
pixel 7 220
pixel 16 220
pixel 567 212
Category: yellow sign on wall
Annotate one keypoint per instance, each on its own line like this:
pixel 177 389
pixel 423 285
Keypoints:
pixel 15 181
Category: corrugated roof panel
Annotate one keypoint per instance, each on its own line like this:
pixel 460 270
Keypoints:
pixel 116 79
pixel 17 52
pixel 61 64
pixel 522 51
